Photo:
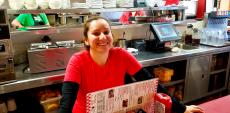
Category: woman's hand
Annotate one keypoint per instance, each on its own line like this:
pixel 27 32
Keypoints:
pixel 193 109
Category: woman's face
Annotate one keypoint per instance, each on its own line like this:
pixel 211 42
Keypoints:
pixel 99 36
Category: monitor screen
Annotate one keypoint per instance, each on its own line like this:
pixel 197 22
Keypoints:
pixel 164 32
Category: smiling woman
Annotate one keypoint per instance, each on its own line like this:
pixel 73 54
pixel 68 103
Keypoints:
pixel 99 37
pixel 96 68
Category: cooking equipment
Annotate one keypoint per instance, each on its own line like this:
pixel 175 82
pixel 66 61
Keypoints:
pixel 3 16
pixel 5 47
pixel 6 54
pixel 6 69
pixel 45 57
pixel 4 31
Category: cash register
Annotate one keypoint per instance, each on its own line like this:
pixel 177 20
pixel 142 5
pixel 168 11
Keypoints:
pixel 163 33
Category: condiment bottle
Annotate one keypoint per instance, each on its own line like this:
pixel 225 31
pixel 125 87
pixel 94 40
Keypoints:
pixel 195 37
pixel 188 35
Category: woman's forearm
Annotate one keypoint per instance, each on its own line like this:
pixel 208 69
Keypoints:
pixel 16 24
pixel 69 95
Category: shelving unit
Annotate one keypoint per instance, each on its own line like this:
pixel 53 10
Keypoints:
pixel 88 11
pixel 177 83
pixel 173 83
pixel 207 79
pixel 218 71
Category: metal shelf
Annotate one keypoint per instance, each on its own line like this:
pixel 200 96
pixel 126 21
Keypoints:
pixel 172 83
pixel 87 11
pixel 218 71
pixel 62 29
pixel 48 11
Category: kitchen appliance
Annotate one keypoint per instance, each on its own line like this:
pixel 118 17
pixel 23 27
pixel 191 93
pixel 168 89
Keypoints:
pixel 3 17
pixel 45 57
pixel 5 47
pixel 163 33
pixel 6 54
pixel 6 69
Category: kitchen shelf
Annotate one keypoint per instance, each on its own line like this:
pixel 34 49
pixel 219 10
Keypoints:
pixel 71 28
pixel 48 11
pixel 172 83
pixel 4 24
pixel 88 11
pixel 218 71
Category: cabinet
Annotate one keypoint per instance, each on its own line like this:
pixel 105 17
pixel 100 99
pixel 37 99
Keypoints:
pixel 206 75
pixel 197 79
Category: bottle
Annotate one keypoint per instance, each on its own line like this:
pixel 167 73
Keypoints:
pixel 195 37
pixel 188 35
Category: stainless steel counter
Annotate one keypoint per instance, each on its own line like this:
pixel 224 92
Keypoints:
pixel 27 81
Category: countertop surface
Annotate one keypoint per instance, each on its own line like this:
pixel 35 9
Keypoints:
pixel 219 105
pixel 146 58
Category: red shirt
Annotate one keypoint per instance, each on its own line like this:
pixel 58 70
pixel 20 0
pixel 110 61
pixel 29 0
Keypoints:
pixel 92 77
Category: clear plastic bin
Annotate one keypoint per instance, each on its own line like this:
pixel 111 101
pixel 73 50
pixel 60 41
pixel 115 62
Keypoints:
pixel 51 105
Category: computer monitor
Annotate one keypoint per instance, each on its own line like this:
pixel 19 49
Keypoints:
pixel 164 32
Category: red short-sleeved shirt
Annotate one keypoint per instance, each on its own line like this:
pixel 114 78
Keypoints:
pixel 92 77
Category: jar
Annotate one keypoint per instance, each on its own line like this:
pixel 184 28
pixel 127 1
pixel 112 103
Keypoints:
pixel 188 34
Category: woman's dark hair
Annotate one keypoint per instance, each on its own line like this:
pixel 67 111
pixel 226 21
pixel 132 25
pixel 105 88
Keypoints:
pixel 87 25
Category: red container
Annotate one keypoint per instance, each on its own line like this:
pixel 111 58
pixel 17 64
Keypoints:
pixel 164 99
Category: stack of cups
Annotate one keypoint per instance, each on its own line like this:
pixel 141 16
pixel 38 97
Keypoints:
pixel 3 108
pixel 11 105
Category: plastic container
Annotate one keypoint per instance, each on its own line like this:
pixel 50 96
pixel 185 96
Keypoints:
pixel 164 74
pixel 165 100
pixel 51 104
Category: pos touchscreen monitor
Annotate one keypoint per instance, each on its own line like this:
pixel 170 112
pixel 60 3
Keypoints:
pixel 164 32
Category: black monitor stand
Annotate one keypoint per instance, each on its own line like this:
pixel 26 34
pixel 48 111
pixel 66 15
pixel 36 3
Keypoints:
pixel 156 46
